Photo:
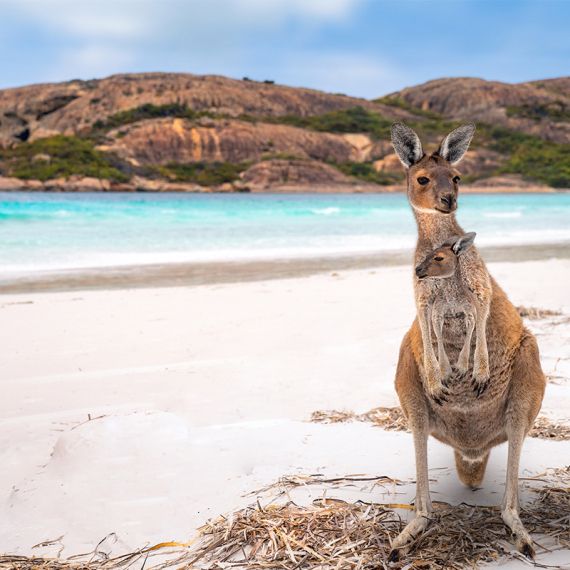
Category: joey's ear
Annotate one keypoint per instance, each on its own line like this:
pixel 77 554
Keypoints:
pixel 454 146
pixel 450 242
pixel 406 144
pixel 464 243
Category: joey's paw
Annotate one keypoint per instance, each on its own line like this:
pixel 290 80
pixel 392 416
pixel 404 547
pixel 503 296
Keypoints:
pixel 480 388
pixel 462 367
pixel 438 393
pixel 446 376
pixel 461 375
pixel 481 370
pixel 480 384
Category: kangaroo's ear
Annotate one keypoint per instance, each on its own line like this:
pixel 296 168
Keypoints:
pixel 450 242
pixel 406 144
pixel 454 146
pixel 464 243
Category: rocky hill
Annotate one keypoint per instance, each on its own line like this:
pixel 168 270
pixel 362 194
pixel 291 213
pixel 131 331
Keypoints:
pixel 182 132
pixel 537 108
pixel 37 111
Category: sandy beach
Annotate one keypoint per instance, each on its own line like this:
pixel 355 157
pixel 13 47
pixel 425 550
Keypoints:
pixel 138 413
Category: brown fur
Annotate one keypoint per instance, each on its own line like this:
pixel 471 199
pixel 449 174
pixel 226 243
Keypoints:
pixel 470 421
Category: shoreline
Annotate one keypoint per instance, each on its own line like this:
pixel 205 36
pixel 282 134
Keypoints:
pixel 211 273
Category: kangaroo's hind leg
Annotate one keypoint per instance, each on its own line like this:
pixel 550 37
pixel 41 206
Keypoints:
pixel 414 404
pixel 527 390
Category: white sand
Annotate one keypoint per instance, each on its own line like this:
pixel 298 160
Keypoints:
pixel 197 396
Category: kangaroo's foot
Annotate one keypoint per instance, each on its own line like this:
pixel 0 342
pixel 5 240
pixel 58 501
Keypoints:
pixel 521 538
pixel 404 540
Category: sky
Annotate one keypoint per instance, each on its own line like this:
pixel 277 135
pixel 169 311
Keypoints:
pixel 364 48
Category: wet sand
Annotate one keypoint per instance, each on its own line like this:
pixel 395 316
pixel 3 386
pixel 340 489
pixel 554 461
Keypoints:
pixel 188 274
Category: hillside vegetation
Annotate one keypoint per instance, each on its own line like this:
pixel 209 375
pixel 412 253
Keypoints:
pixel 209 130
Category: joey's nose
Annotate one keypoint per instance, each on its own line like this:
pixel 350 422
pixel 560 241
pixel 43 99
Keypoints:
pixel 448 200
pixel 420 272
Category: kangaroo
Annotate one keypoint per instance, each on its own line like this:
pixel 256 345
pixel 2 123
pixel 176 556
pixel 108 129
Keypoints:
pixel 452 299
pixel 494 401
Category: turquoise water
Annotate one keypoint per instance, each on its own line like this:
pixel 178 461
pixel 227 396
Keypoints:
pixel 63 231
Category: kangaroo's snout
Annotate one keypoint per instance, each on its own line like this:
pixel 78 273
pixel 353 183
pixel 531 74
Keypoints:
pixel 448 200
pixel 421 272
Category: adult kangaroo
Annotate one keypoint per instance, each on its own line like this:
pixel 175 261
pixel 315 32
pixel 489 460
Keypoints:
pixel 495 400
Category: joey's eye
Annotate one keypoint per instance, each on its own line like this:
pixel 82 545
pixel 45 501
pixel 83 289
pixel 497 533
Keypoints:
pixel 438 258
pixel 456 179
pixel 423 180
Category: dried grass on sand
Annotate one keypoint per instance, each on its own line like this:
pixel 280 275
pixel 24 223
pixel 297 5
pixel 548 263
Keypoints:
pixel 392 419
pixel 332 534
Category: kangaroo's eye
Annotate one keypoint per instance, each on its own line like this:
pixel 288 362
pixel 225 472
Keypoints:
pixel 423 180
pixel 456 179
pixel 439 258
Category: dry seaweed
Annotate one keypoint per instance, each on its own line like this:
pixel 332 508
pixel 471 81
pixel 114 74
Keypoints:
pixel 393 419
pixel 546 429
pixel 533 313
pixel 332 534
pixel 390 419
pixel 289 482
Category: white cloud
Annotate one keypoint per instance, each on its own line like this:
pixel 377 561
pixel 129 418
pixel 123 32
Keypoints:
pixel 104 19
pixel 257 38
pixel 351 74
pixel 129 19
pixel 317 9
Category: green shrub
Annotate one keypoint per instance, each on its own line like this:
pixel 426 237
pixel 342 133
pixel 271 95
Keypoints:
pixel 555 111
pixel 353 120
pixel 365 171
pixel 282 156
pixel 69 155
pixel 205 174
pixel 147 111
pixel 547 162
pixel 403 104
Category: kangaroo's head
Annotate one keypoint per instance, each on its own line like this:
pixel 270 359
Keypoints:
pixel 432 179
pixel 443 261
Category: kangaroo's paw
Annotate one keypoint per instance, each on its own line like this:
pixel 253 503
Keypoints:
pixel 462 366
pixel 404 540
pixel 480 382
pixel 446 373
pixel 435 386
pixel 480 375
pixel 438 392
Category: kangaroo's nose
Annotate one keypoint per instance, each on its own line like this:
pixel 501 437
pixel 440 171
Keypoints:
pixel 420 271
pixel 448 200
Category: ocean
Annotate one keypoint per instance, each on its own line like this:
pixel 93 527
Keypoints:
pixel 43 231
